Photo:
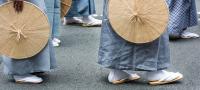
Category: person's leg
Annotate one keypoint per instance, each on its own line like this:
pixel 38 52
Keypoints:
pixel 92 10
pixel 56 23
pixel 75 12
pixel 89 21
pixel 119 76
pixel 163 77
pixel 50 13
pixel 193 21
pixel 53 12
pixel 183 15
pixel 188 35
pixel 83 9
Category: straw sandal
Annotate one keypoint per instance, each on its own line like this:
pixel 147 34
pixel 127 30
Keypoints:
pixel 132 77
pixel 171 77
pixel 33 79
pixel 187 35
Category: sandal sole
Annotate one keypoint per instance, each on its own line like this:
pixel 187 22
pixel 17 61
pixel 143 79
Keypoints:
pixel 161 83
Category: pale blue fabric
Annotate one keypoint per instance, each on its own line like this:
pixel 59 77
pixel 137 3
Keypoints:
pixel 82 8
pixel 42 62
pixel 117 53
pixel 183 14
pixel 53 12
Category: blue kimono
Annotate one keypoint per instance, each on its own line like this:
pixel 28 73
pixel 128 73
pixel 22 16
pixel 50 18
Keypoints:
pixel 117 53
pixel 53 12
pixel 183 14
pixel 42 62
pixel 82 8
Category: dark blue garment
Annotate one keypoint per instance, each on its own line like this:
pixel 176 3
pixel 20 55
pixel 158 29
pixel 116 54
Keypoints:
pixel 82 8
pixel 183 14
pixel 117 53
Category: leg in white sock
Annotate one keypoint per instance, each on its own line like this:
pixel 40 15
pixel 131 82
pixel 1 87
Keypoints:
pixel 119 76
pixel 91 21
pixel 163 77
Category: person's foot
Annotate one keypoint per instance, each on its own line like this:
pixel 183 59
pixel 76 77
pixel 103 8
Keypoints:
pixel 119 77
pixel 72 20
pixel 55 43
pixel 57 40
pixel 163 77
pixel 187 35
pixel 28 79
pixel 89 21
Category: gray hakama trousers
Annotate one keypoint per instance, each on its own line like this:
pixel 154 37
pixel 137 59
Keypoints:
pixel 82 8
pixel 117 53
pixel 42 62
pixel 183 14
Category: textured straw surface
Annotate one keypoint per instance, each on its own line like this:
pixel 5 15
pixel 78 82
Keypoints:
pixel 25 34
pixel 138 21
pixel 65 6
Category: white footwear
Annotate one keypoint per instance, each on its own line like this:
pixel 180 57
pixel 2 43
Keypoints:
pixel 55 44
pixel 95 15
pixel 57 40
pixel 163 77
pixel 28 79
pixel 73 20
pixel 119 77
pixel 187 35
pixel 90 21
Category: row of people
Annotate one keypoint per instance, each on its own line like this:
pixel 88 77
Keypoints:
pixel 115 53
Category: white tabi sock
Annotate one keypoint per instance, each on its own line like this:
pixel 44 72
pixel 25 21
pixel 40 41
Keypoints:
pixel 117 75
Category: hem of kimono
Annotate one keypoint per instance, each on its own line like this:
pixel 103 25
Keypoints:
pixel 32 71
pixel 149 69
pixel 183 28
pixel 178 34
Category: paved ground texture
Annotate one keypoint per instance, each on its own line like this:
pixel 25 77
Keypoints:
pixel 78 70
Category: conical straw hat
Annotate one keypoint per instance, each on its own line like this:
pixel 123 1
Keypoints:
pixel 22 35
pixel 65 6
pixel 138 21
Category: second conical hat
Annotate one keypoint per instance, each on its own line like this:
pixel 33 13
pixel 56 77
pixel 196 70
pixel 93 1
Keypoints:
pixel 65 6
pixel 138 21
pixel 24 34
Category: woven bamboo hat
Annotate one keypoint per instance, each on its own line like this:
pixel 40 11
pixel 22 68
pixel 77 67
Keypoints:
pixel 22 35
pixel 138 21
pixel 65 6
